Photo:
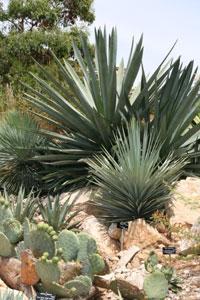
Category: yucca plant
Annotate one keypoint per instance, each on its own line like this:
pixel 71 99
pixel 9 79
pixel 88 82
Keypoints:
pixel 173 109
pixel 104 97
pixel 59 214
pixel 22 205
pixel 19 143
pixel 137 182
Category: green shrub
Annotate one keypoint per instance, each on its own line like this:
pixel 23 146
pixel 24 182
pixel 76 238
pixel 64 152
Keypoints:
pixel 134 182
pixel 19 143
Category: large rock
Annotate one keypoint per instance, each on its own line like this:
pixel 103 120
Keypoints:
pixel 10 270
pixel 187 201
pixel 29 275
pixel 191 245
pixel 106 246
pixel 141 234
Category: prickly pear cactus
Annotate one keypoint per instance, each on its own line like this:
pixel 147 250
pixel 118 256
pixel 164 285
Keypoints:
pixel 97 263
pixel 156 286
pixel 6 248
pixel 81 285
pixel 69 243
pixel 5 212
pixel 13 230
pixel 92 263
pixel 48 269
pixel 42 239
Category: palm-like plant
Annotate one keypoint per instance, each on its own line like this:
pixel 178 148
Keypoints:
pixel 103 98
pixel 137 182
pixel 60 215
pixel 19 143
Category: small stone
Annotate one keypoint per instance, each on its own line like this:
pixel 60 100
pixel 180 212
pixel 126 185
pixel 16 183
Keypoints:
pixel 114 232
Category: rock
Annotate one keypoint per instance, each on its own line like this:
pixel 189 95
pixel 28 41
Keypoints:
pixel 114 232
pixel 127 255
pixel 29 275
pixel 191 245
pixel 143 235
pixel 10 269
pixel 106 245
pixel 187 205
pixel 127 290
pixel 104 281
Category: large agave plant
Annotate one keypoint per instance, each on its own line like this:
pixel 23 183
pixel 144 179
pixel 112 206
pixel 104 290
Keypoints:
pixel 104 97
pixel 19 143
pixel 136 183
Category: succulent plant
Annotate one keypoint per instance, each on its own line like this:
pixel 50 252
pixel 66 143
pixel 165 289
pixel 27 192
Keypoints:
pixel 6 248
pixel 48 270
pixel 156 286
pixel 22 205
pixel 42 239
pixel 69 244
pixel 8 294
pixel 59 215
pixel 5 212
pixel 13 230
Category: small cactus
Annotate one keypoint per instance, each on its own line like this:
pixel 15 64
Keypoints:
pixel 69 243
pixel 87 246
pixel 13 230
pixel 156 285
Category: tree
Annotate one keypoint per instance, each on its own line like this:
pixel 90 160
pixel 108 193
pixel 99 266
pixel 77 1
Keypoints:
pixel 30 27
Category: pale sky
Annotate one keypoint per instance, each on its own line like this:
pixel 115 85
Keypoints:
pixel 161 21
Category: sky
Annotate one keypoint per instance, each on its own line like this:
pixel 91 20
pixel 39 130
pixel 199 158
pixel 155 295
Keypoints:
pixel 161 21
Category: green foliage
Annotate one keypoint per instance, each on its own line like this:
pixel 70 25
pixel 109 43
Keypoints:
pixel 156 286
pixel 58 215
pixel 133 184
pixel 22 206
pixel 151 265
pixel 19 143
pixel 102 100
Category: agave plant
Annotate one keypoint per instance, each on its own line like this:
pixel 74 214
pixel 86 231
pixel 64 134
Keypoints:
pixel 19 142
pixel 60 216
pixel 22 206
pixel 136 183
pixel 104 97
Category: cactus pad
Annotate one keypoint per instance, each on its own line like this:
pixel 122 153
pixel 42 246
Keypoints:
pixel 69 243
pixel 6 248
pixel 97 263
pixel 5 212
pixel 13 230
pixel 87 246
pixel 81 284
pixel 41 240
pixel 48 270
pixel 156 286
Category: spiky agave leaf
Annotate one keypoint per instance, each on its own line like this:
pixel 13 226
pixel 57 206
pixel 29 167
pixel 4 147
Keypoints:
pixel 136 183
pixel 22 205
pixel 60 214
pixel 103 99
pixel 19 143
